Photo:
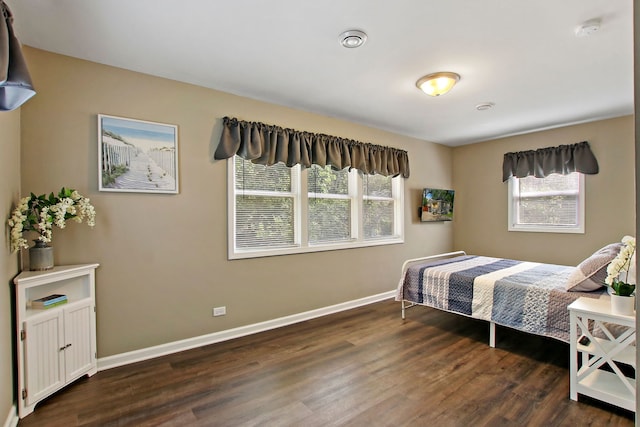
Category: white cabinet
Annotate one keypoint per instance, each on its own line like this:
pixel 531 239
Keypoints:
pixel 55 345
pixel 611 347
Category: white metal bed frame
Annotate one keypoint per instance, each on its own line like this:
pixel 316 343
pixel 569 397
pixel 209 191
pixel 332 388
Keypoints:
pixel 405 306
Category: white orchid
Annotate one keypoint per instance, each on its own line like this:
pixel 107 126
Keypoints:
pixel 620 267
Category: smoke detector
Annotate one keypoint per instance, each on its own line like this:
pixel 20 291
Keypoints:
pixel 485 106
pixel 352 38
pixel 587 28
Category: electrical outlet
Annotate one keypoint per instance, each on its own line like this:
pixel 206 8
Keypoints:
pixel 219 311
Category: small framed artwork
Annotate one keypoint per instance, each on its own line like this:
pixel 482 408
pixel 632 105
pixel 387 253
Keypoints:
pixel 137 156
pixel 437 205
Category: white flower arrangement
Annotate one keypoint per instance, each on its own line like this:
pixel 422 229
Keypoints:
pixel 40 213
pixel 622 264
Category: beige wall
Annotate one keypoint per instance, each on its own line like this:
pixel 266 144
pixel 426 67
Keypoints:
pixel 480 223
pixel 9 194
pixel 164 257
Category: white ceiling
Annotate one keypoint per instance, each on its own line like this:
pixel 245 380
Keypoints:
pixel 522 55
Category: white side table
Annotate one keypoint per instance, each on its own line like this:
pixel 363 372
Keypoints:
pixel 594 352
pixel 55 346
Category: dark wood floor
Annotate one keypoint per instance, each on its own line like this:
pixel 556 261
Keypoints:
pixel 363 367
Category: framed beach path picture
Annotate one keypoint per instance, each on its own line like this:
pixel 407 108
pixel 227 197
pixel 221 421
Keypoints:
pixel 137 156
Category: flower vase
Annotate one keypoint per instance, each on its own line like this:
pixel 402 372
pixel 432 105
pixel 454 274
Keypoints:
pixel 40 256
pixel 623 305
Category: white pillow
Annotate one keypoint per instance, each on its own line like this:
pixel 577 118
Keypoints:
pixel 589 275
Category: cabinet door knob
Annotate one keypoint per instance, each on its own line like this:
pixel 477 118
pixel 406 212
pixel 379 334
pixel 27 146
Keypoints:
pixel 65 347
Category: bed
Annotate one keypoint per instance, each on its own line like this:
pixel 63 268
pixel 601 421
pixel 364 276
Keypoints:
pixel 527 296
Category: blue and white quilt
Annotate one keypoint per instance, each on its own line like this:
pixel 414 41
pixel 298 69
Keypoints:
pixel 527 296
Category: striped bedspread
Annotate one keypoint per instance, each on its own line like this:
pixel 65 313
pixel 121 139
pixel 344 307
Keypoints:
pixel 527 296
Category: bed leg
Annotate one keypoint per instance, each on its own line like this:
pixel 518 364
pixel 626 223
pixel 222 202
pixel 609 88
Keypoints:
pixel 403 309
pixel 492 334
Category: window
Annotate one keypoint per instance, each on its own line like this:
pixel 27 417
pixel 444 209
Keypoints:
pixel 330 205
pixel 275 210
pixel 264 205
pixel 378 207
pixel 552 204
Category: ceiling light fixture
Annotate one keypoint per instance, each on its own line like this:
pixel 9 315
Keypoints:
pixel 437 84
pixel 353 38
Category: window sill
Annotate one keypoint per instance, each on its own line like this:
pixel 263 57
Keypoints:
pixel 539 229
pixel 291 250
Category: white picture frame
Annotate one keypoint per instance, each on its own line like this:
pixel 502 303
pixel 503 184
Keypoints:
pixel 137 156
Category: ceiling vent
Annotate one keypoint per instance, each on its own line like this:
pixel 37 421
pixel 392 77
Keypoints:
pixel 353 38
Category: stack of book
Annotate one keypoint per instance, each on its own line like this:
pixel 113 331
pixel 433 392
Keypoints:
pixel 49 301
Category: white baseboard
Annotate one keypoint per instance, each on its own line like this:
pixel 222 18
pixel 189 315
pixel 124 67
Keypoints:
pixel 176 346
pixel 12 417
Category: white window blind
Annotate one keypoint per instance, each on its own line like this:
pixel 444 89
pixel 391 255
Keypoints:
pixel 276 210
pixel 378 207
pixel 330 205
pixel 264 205
pixel 551 204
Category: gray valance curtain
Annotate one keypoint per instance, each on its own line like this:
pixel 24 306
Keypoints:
pixel 563 159
pixel 15 83
pixel 267 145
